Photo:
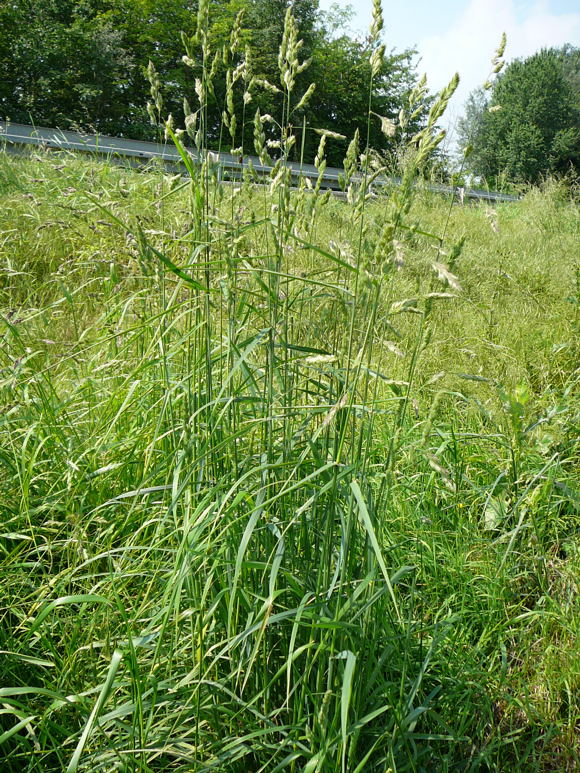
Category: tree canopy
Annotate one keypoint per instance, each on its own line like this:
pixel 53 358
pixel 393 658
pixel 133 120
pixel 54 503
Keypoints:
pixel 83 64
pixel 528 126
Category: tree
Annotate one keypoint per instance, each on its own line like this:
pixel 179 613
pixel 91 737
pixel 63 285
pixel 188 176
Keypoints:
pixel 151 31
pixel 339 68
pixel 63 67
pixel 528 127
pixel 83 63
pixel 342 74
pixel 470 124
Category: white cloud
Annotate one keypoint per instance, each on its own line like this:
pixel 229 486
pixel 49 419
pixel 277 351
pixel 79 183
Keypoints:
pixel 467 46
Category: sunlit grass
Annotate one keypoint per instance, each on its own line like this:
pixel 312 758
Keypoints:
pixel 236 580
pixel 290 483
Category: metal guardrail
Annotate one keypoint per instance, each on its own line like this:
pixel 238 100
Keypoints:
pixel 16 134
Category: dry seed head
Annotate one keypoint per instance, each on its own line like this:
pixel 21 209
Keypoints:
pixel 377 23
pixel 491 215
pixel 398 257
pixel 288 80
pixel 377 59
pixel 327 420
pixel 445 474
pixel 214 66
pixel 403 118
pixel 236 32
pixel 267 85
pixel 320 152
pixel 199 90
pixel 388 127
pixel 190 123
pixel 290 142
pixel 321 359
pixel 153 79
pixel 440 104
pixel 306 96
pixel 169 125
pixel 282 173
pixel 305 64
pixel 444 275
pixel 330 134
pixel 288 63
pixel 202 19
pixel 351 158
pixel 260 140
pixel 392 347
pixel 151 114
pixel 238 72
pixel 497 61
pixel 501 48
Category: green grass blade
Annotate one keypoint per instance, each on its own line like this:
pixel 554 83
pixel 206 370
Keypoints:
pixel 73 765
pixel 367 523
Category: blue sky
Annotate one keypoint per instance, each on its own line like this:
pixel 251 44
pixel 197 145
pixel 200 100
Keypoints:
pixel 461 35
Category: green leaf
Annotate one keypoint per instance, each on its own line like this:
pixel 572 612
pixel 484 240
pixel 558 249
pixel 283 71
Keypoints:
pixel 15 728
pixel 367 523
pixel 73 765
pixel 345 697
pixel 83 598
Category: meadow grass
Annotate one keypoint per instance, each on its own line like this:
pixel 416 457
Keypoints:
pixel 290 483
pixel 208 565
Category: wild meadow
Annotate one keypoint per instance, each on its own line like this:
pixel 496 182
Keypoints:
pixel 290 482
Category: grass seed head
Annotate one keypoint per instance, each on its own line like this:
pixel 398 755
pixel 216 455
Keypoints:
pixel 377 21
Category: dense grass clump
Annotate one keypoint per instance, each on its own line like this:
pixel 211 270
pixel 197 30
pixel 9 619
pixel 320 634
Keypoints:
pixel 219 555
pixel 290 483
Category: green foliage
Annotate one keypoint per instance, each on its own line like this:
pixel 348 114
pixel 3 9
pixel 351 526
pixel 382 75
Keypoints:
pixel 528 128
pixel 84 64
pixel 62 66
